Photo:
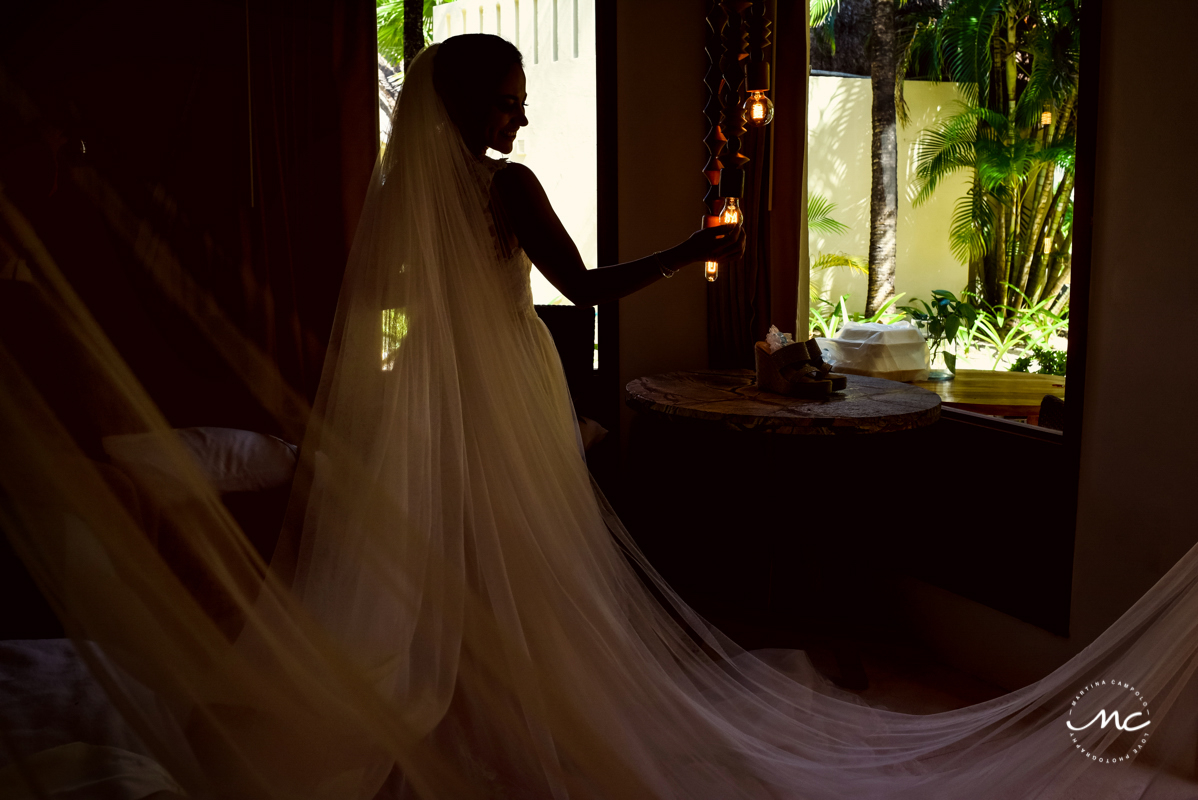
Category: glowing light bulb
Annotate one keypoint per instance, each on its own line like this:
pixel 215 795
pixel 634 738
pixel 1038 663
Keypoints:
pixel 1046 118
pixel 731 214
pixel 759 109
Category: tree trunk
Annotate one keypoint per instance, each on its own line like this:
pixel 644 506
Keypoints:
pixel 1036 233
pixel 413 30
pixel 1060 125
pixel 976 281
pixel 1009 55
pixel 1065 265
pixel 1013 242
pixel 1060 203
pixel 883 195
pixel 1000 255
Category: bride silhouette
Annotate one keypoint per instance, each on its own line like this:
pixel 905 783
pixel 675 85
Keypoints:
pixel 453 609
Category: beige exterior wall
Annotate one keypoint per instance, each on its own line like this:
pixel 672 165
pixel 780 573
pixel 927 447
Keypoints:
pixel 838 142
pixel 559 143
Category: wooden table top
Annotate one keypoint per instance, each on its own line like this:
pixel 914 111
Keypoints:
pixel 1002 393
pixel 731 398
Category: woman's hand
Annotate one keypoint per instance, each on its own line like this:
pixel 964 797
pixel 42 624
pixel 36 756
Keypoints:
pixel 721 243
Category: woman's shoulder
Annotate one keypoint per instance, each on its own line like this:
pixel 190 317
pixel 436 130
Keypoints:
pixel 515 179
pixel 503 166
pixel 508 177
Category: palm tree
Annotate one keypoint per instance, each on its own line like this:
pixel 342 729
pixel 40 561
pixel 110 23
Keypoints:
pixel 1016 62
pixel 883 201
pixel 883 191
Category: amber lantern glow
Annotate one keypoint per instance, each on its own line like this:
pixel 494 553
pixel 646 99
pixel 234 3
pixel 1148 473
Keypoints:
pixel 759 109
pixel 730 215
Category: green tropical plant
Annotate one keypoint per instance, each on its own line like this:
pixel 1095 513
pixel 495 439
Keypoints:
pixel 1016 63
pixel 834 260
pixel 827 318
pixel 1009 328
pixel 1050 361
pixel 819 216
pixel 389 19
pixel 819 220
pixel 943 319
pixel 822 20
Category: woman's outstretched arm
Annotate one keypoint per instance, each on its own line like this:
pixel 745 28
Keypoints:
pixel 551 249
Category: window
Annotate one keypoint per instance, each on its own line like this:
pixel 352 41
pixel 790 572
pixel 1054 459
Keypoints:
pixel 536 32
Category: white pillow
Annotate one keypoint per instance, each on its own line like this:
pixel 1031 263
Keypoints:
pixel 232 460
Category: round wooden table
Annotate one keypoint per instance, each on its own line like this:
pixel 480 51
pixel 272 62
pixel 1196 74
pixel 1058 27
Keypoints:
pixel 732 399
pixel 776 562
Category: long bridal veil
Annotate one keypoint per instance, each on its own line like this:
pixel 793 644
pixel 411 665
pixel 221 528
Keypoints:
pixel 453 610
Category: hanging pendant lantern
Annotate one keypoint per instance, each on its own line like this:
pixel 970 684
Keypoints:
pixel 730 215
pixel 759 109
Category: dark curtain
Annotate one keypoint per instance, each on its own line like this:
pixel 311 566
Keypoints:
pixel 788 195
pixel 222 145
pixel 763 290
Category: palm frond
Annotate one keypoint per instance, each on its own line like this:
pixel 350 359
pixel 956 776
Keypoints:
pixel 1002 163
pixel 835 260
pixel 918 55
pixel 972 228
pixel 967 32
pixel 822 11
pixel 389 24
pixel 1037 95
pixel 1063 154
pixel 943 150
pixel 822 21
pixel 819 216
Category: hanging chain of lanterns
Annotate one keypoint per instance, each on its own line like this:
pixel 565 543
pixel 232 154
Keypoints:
pixel 738 31
pixel 759 109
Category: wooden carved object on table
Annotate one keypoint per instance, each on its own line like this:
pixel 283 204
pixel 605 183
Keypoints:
pixel 788 371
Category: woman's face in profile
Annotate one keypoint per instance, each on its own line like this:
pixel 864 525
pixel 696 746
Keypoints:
pixel 505 117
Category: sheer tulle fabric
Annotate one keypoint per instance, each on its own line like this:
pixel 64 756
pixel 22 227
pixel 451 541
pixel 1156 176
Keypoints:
pixel 454 610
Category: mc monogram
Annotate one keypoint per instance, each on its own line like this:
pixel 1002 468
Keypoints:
pixel 1123 726
pixel 1129 716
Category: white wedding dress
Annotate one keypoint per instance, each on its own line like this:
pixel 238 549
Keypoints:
pixel 454 602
